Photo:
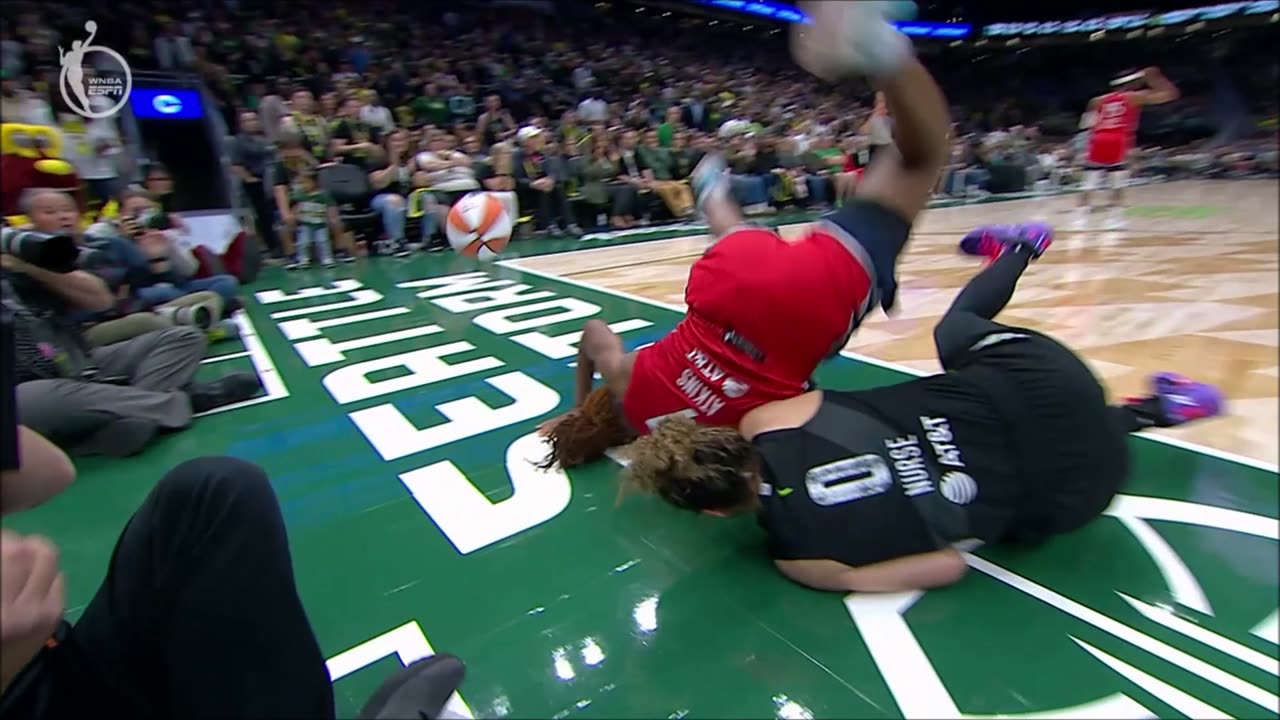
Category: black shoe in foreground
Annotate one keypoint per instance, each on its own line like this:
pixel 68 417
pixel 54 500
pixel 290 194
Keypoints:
pixel 418 691
pixel 228 389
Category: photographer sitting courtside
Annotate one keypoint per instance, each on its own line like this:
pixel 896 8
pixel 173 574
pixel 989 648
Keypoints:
pixel 108 400
pixel 198 617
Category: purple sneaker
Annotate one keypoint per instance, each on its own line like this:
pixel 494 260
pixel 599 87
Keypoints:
pixel 1037 236
pixel 990 241
pixel 1183 399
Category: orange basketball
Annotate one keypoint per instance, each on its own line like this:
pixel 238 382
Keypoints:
pixel 479 225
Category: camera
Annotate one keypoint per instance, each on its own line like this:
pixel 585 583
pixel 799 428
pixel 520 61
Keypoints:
pixel 53 252
pixel 155 220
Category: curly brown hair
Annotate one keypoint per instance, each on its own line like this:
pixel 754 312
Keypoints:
pixel 694 467
pixel 586 433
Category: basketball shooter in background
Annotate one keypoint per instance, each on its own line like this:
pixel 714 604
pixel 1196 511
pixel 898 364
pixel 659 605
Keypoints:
pixel 764 312
pixel 873 490
pixel 1112 123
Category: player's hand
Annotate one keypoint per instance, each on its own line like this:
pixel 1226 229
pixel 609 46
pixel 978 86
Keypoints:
pixel 32 599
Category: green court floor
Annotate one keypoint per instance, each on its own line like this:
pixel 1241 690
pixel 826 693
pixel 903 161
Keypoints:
pixel 398 431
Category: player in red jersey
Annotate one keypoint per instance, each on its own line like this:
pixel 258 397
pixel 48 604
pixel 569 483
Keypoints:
pixel 764 312
pixel 1113 128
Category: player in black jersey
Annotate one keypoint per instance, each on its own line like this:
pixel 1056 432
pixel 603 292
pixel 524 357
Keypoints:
pixel 871 490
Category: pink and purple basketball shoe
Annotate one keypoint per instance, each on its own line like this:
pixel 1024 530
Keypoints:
pixel 1182 399
pixel 990 241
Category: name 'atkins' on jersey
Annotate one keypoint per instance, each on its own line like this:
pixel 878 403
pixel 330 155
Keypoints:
pixel 706 385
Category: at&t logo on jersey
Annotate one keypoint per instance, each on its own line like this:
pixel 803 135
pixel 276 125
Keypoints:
pixel 959 487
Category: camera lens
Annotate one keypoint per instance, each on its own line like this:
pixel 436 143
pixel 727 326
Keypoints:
pixel 55 253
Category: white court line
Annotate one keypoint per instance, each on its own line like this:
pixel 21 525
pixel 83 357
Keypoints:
pixel 272 381
pixel 220 358
pixel 1181 444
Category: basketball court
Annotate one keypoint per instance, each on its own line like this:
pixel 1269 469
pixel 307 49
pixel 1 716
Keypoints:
pixel 398 429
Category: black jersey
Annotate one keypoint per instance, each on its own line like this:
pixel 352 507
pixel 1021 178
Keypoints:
pixel 893 471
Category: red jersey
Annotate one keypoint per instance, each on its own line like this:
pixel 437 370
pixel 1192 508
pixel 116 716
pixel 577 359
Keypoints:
pixel 1117 114
pixel 1115 128
pixel 763 314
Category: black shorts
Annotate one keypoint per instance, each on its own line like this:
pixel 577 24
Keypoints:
pixel 876 236
pixel 1072 456
pixel 1116 167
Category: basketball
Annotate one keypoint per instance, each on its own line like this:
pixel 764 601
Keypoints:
pixel 479 226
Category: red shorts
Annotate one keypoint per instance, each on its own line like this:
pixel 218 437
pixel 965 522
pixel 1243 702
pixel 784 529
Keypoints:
pixel 794 301
pixel 1108 150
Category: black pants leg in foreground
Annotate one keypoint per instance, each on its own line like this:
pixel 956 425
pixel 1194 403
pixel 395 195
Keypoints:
pixel 970 316
pixel 198 616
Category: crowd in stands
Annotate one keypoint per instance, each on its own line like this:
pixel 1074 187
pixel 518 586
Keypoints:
pixel 583 120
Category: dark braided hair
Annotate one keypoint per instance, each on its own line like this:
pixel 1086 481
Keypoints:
pixel 586 433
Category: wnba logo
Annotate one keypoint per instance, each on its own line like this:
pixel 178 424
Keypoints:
pixel 89 92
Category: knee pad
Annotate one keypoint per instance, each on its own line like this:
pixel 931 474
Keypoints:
pixel 1119 179
pixel 1092 179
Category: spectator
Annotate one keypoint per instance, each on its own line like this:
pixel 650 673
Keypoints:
pixel 659 174
pixel 251 155
pixel 124 266
pixel 637 203
pixel 374 114
pixel 108 400
pixel 171 266
pixel 354 137
pixel 601 190
pixel 391 173
pixel 314 128
pixel 20 105
pixel 93 147
pixel 671 125
pixel 292 158
pixel 314 210
pixel 538 184
pixel 495 123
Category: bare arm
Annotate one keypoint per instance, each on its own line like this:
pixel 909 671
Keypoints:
pixel 379 179
pixel 281 193
pixel 83 290
pixel 435 164
pixel 914 572
pixel 44 472
pixel 1159 90
pixel 600 351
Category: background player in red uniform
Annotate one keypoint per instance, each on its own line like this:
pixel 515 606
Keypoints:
pixel 764 312
pixel 1113 120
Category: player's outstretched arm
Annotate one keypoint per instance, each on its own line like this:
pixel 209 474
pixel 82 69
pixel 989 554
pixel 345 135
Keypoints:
pixel 1159 89
pixel 913 572
pixel 600 351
